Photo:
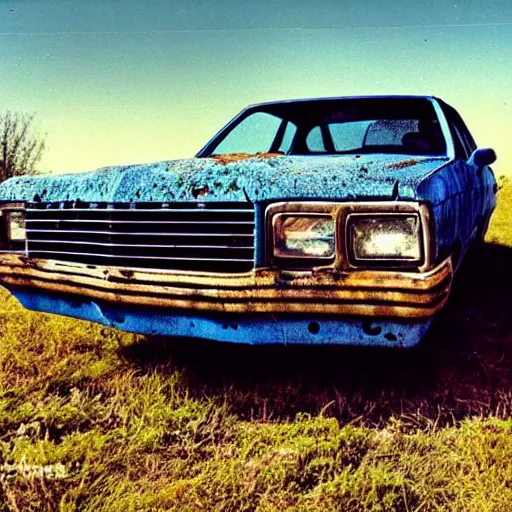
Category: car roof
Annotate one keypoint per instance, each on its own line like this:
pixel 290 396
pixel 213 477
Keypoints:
pixel 339 98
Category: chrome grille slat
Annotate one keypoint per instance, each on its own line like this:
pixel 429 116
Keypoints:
pixel 145 235
pixel 141 257
pixel 132 210
pixel 115 233
pixel 108 244
pixel 99 221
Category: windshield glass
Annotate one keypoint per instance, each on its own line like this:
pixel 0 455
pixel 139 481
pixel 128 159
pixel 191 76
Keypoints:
pixel 334 126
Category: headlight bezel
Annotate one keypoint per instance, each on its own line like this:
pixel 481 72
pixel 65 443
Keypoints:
pixel 341 212
pixel 382 261
pixel 306 209
pixel 8 243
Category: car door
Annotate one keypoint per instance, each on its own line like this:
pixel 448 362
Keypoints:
pixel 477 196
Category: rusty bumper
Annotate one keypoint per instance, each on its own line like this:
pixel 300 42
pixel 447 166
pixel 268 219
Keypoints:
pixel 376 293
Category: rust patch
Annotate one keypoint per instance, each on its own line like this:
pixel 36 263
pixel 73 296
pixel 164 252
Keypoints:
pixel 25 260
pixel 237 157
pixel 125 272
pixel 403 164
pixel 269 155
pixel 404 294
pixel 200 192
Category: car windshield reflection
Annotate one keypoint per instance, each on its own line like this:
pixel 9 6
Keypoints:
pixel 334 127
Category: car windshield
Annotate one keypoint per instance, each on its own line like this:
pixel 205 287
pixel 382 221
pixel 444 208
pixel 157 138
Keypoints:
pixel 332 127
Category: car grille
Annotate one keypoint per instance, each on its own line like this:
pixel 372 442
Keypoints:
pixel 188 236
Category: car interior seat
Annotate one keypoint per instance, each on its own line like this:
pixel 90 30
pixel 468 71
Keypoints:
pixel 416 143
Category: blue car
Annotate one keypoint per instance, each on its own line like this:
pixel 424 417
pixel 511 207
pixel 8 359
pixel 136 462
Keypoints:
pixel 316 221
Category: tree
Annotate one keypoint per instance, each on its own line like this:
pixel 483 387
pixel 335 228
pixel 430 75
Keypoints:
pixel 21 147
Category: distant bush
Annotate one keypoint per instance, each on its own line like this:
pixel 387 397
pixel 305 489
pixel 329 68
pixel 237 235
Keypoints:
pixel 21 147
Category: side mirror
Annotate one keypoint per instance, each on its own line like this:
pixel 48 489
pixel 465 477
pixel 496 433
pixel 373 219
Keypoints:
pixel 482 157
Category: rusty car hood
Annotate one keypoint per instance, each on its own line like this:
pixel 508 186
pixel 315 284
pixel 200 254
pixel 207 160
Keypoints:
pixel 235 178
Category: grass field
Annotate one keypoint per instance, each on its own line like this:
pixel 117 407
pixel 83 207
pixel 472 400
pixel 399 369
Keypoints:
pixel 96 420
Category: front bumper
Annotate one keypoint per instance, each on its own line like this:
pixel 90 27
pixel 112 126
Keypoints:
pixel 263 306
pixel 361 293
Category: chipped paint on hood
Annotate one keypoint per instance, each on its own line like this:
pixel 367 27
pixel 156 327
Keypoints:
pixel 254 179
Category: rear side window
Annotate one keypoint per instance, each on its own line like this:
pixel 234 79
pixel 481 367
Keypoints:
pixel 315 141
pixel 460 149
pixel 463 141
pixel 288 136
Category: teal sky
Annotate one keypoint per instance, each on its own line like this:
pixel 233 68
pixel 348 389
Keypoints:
pixel 130 81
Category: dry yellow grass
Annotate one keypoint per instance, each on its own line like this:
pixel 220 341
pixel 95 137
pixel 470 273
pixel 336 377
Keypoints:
pixel 94 419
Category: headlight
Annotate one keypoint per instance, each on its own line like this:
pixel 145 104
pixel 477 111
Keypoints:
pixel 386 238
pixel 15 224
pixel 303 236
pixel 13 235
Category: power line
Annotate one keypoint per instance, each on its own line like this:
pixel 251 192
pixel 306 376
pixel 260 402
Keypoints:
pixel 259 29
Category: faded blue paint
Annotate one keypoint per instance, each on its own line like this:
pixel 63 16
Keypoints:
pixel 461 199
pixel 342 177
pixel 456 192
pixel 254 330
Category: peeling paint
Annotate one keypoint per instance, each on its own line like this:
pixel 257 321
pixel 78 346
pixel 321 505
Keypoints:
pixel 403 164
pixel 237 157
pixel 259 178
